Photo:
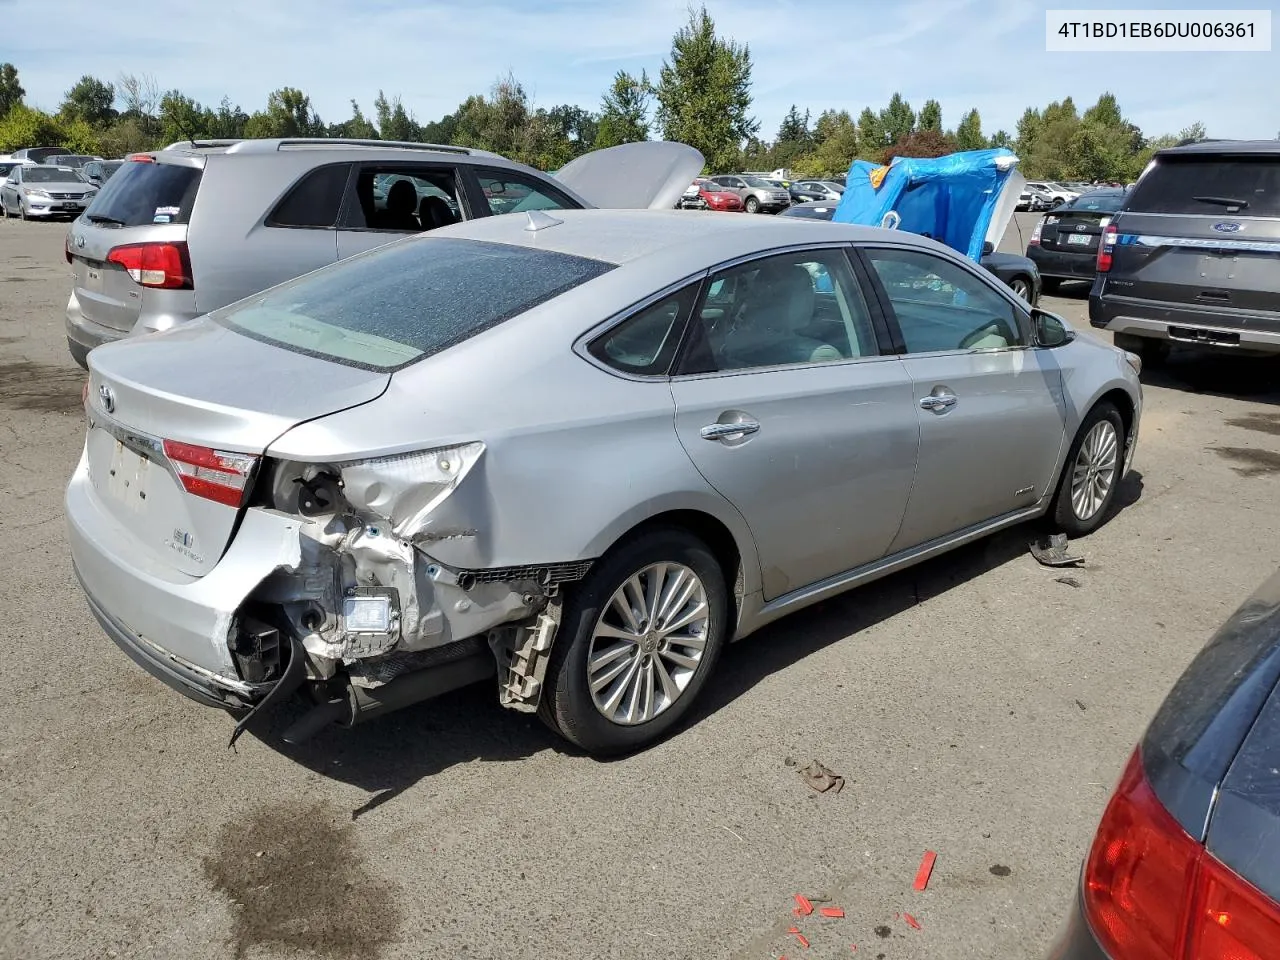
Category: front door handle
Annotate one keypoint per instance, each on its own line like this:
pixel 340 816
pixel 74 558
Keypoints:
pixel 729 431
pixel 938 402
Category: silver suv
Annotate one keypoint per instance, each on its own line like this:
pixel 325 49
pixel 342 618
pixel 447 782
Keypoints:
pixel 181 231
pixel 757 194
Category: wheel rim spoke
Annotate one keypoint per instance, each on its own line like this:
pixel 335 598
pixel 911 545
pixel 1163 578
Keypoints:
pixel 1094 472
pixel 648 643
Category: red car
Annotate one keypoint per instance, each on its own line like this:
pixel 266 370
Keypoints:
pixel 705 195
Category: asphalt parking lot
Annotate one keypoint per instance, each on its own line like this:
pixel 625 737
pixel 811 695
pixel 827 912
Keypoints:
pixel 979 706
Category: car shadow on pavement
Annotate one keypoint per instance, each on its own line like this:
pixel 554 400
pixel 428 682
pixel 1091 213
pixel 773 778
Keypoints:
pixel 1193 370
pixel 393 753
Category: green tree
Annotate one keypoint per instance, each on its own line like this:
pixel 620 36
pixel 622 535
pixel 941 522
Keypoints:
pixel 1001 138
pixel 11 92
pixel 897 120
pixel 969 132
pixel 921 143
pixel 91 100
pixel 871 136
pixel 358 127
pixel 1028 132
pixel 181 118
pixel 572 129
pixel 288 114
pixel 228 121
pixel 24 126
pixel 1193 134
pixel 393 121
pixel 140 96
pixel 704 92
pixel 836 136
pixel 930 116
pixel 794 138
pixel 624 111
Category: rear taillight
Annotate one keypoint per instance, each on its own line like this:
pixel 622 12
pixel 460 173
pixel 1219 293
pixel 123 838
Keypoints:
pixel 1106 248
pixel 163 265
pixel 212 474
pixel 1230 919
pixel 1152 892
pixel 143 158
pixel 1035 234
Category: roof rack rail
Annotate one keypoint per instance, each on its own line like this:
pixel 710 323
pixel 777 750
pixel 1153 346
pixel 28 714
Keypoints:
pixel 197 144
pixel 272 144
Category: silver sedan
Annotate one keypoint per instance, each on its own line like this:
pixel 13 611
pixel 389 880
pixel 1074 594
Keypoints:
pixel 40 191
pixel 578 451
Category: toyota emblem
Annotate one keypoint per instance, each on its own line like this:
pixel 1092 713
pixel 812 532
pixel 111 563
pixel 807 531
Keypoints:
pixel 80 241
pixel 108 398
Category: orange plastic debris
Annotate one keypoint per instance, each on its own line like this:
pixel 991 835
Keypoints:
pixel 803 906
pixel 911 921
pixel 832 911
pixel 800 937
pixel 926 868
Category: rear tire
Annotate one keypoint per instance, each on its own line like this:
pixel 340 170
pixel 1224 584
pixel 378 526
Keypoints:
pixel 634 705
pixel 1091 472
pixel 1050 284
pixel 1021 286
pixel 752 205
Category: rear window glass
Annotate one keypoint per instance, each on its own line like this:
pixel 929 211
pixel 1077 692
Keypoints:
pixel 396 304
pixel 314 200
pixel 1104 203
pixel 1204 185
pixel 141 193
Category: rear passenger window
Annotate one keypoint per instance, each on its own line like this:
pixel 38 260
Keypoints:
pixel 404 199
pixel 646 342
pixel 513 193
pixel 1209 186
pixel 314 200
pixel 143 192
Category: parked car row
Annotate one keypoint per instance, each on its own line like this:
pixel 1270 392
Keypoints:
pixel 40 190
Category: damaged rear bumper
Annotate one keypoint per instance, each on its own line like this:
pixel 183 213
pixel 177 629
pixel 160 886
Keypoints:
pixel 187 678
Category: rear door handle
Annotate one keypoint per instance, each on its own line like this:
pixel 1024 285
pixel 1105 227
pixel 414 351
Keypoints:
pixel 729 431
pixel 938 401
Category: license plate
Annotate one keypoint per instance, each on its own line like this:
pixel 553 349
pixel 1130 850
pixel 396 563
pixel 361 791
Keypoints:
pixel 1079 239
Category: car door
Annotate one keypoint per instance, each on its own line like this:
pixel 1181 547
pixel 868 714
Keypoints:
pixel 991 408
pixel 788 407
pixel 389 200
pixel 734 185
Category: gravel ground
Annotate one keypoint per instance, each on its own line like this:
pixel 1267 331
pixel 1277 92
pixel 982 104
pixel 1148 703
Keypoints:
pixel 977 706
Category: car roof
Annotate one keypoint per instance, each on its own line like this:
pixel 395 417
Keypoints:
pixel 269 145
pixel 625 236
pixel 1223 147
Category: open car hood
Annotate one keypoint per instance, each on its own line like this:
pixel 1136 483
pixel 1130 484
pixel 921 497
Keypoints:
pixel 652 175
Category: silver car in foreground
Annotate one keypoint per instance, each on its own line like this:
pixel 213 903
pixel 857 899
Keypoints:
pixel 580 449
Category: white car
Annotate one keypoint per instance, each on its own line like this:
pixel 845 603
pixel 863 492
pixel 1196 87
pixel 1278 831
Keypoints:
pixel 1056 191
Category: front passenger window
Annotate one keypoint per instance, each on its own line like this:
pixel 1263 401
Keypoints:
pixel 513 193
pixel 941 306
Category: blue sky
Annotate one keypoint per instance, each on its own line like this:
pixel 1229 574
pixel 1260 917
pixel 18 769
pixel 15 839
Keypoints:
pixel 845 54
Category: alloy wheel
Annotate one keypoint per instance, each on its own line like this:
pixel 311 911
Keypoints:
pixel 1021 288
pixel 1094 471
pixel 647 643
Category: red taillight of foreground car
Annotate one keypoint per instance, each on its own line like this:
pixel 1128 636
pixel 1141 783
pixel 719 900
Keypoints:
pixel 212 474
pixel 165 266
pixel 1035 234
pixel 1106 248
pixel 1152 892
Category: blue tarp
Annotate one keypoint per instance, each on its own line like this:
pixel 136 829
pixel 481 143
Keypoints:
pixel 951 198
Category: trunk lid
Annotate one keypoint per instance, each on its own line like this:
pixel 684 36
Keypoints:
pixel 203 385
pixel 1074 231
pixel 633 176
pixel 144 202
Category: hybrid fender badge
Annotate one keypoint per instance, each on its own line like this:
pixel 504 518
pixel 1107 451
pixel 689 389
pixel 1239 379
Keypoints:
pixel 108 397
pixel 1228 226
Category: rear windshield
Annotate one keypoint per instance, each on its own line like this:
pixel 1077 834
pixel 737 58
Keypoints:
pixel 1102 202
pixel 141 193
pixel 405 301
pixel 1207 185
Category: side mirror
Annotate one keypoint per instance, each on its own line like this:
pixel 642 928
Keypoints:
pixel 1051 330
pixel 988 247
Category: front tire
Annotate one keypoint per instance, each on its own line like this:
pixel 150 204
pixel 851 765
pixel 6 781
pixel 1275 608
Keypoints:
pixel 1091 473
pixel 752 205
pixel 1021 286
pixel 637 640
pixel 22 210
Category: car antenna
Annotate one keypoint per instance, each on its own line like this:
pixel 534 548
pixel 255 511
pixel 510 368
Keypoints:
pixel 540 221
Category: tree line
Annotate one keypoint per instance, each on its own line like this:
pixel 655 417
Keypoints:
pixel 701 96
